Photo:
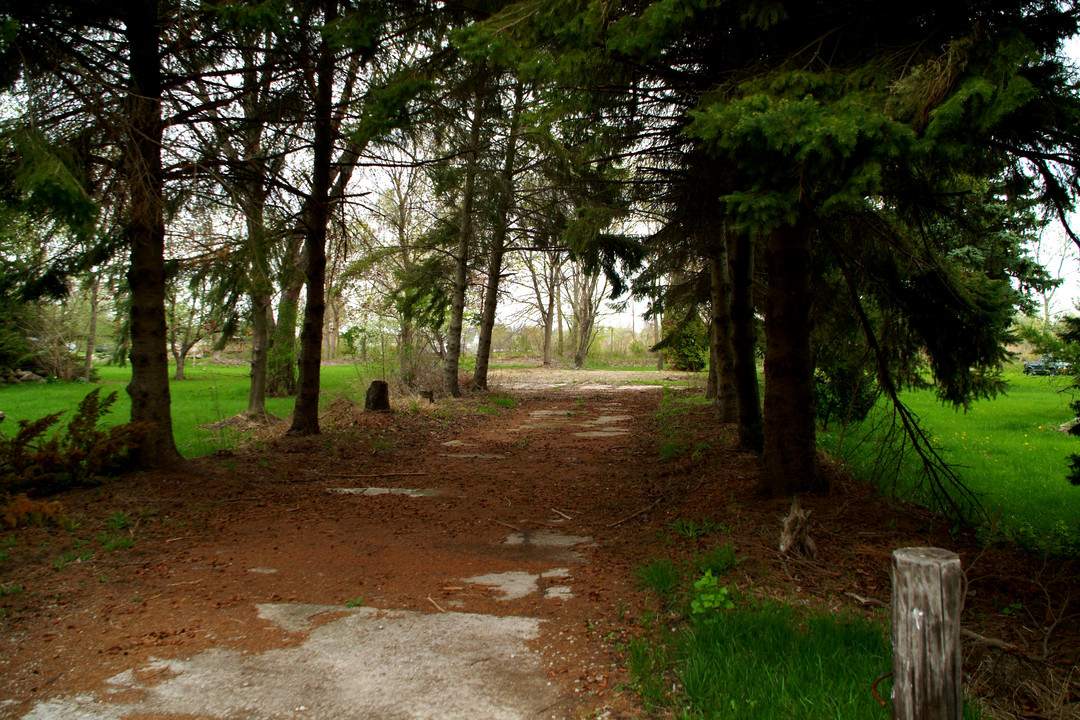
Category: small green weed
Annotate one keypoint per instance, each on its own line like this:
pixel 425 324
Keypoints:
pixel 118 521
pixel 10 589
pixel 3 557
pixel 112 543
pixel 709 597
pixel 690 529
pixel 355 602
pixel 670 448
pixel 502 401
pixel 64 559
pixel 9 541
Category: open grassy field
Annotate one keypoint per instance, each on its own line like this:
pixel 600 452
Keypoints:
pixel 1007 449
pixel 209 394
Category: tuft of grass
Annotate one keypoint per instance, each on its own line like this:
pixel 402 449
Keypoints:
pixel 118 521
pixel 503 401
pixel 10 589
pixel 661 575
pixel 112 543
pixel 770 661
pixel 355 602
pixel 648 664
pixel 670 448
pixel 689 529
pixel 718 560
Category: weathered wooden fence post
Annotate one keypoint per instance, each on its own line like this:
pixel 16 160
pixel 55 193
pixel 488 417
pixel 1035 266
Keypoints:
pixel 926 605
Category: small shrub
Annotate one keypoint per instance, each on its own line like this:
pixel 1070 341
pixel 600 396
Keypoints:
pixel 710 597
pixel 687 346
pixel 21 510
pixel 33 464
pixel 355 602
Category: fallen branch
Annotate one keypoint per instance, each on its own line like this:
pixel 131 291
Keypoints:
pixel 512 527
pixel 639 512
pixel 1004 646
pixel 378 475
pixel 867 600
pixel 560 512
pixel 437 606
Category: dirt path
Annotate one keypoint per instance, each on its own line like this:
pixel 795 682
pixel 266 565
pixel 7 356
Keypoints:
pixel 399 567
pixel 465 559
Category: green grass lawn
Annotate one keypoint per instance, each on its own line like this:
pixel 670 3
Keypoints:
pixel 1007 449
pixel 209 394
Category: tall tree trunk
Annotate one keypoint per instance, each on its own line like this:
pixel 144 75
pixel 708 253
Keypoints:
pixel 149 386
pixel 583 336
pixel 306 414
pixel 461 259
pixel 91 332
pixel 549 322
pixel 261 293
pixel 790 460
pixel 180 358
pixel 405 352
pixel 498 244
pixel 744 340
pixel 558 309
pixel 721 348
pixel 281 358
pixel 260 348
pixel 261 287
pixel 657 336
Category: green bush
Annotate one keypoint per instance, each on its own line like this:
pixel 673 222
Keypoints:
pixel 688 348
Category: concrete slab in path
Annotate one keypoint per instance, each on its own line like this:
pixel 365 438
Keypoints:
pixel 369 665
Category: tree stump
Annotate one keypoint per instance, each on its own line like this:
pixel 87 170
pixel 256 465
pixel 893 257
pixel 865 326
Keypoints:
pixel 926 604
pixel 795 538
pixel 378 397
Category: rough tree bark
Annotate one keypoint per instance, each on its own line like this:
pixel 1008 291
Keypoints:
pixel 306 413
pixel 91 332
pixel 261 298
pixel 281 358
pixel 498 244
pixel 461 258
pixel 721 347
pixel 790 451
pixel 744 340
pixel 149 386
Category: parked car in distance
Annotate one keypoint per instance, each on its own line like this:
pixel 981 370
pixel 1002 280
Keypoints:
pixel 1046 366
